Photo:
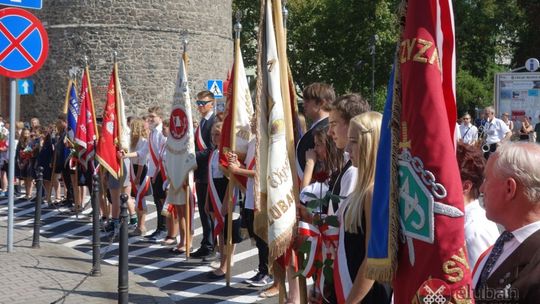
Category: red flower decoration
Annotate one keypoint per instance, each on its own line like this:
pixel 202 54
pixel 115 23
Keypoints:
pixel 320 176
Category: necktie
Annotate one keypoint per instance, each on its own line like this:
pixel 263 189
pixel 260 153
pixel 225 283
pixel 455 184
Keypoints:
pixel 493 257
pixel 202 123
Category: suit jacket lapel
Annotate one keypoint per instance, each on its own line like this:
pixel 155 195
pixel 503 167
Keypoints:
pixel 206 130
pixel 509 270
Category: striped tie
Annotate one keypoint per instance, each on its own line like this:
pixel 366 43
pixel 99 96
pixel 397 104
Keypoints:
pixel 493 257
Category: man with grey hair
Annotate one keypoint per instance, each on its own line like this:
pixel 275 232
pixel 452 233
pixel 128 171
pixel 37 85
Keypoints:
pixel 495 132
pixel 510 273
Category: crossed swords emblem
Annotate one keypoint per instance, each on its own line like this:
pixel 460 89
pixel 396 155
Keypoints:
pixel 412 205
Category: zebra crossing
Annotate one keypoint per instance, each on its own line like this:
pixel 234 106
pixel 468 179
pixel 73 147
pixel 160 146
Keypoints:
pixel 186 281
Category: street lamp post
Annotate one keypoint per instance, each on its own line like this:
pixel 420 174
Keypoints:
pixel 374 39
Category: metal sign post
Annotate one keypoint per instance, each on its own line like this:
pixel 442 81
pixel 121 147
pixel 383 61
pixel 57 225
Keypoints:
pixel 23 53
pixel 11 168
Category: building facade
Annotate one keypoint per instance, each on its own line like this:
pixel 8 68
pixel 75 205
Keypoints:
pixel 147 36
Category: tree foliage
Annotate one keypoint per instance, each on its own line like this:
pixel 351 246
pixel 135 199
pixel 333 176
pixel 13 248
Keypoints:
pixel 250 22
pixel 528 45
pixel 486 32
pixel 330 41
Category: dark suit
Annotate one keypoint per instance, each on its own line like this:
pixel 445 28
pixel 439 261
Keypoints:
pixel 518 276
pixel 308 142
pixel 62 166
pixel 201 179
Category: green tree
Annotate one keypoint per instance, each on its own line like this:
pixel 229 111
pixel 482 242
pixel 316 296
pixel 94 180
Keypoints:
pixel 529 36
pixel 250 22
pixel 486 32
pixel 329 41
pixel 471 93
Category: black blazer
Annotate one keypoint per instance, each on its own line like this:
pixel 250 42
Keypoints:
pixel 59 152
pixel 518 276
pixel 308 142
pixel 201 173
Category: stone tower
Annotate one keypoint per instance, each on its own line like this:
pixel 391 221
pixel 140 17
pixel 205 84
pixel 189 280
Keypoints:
pixel 147 37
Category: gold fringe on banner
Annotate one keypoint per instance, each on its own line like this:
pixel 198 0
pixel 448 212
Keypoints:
pixel 386 270
pixel 260 221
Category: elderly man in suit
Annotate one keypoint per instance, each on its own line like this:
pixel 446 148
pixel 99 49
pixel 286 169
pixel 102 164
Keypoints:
pixel 509 272
pixel 203 148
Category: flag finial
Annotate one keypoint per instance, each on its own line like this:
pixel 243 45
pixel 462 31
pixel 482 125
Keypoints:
pixel 285 13
pixel 73 72
pixel 238 25
pixel 114 56
pixel 85 60
pixel 184 37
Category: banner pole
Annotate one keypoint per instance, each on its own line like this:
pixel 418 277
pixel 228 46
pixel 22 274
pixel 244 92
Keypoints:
pixel 187 216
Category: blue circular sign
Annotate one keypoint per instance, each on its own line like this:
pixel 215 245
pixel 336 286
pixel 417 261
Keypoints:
pixel 23 43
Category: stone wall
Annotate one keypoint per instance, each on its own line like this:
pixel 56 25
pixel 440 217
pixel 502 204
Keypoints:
pixel 147 37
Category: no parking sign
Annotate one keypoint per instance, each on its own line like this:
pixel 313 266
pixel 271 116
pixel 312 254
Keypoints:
pixel 23 43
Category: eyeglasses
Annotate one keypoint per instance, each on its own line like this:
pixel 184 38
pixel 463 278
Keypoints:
pixel 202 103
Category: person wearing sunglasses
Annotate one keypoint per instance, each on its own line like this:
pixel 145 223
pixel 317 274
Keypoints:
pixel 203 148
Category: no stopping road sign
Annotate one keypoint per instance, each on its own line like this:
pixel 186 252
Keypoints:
pixel 23 43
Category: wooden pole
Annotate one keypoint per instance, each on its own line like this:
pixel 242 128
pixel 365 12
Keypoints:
pixel 229 201
pixel 232 109
pixel 281 42
pixel 187 216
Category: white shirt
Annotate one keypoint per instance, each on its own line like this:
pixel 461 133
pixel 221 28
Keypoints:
pixel 495 129
pixel 520 235
pixel 468 133
pixel 250 185
pixel 207 117
pixel 214 165
pixel 157 140
pixel 348 180
pixel 480 233
pixel 4 156
pixel 142 152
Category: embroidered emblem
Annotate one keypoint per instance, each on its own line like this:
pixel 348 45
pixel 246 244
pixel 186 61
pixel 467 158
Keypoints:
pixel 418 191
pixel 433 291
pixel 178 123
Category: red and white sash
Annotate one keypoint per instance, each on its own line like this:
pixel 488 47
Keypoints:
pixel 156 158
pixel 140 190
pixel 342 278
pixel 199 139
pixel 477 270
pixel 171 210
pixel 323 246
pixel 161 168
pixel 213 195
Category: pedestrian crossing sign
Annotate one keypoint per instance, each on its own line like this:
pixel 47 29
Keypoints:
pixel 216 87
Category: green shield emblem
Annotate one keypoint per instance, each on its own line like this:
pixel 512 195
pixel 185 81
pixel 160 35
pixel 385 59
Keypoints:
pixel 415 205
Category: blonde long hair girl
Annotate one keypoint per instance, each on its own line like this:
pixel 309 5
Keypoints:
pixel 364 133
pixel 138 131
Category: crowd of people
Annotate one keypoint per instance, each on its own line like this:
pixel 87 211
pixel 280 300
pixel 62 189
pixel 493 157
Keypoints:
pixel 487 131
pixel 337 153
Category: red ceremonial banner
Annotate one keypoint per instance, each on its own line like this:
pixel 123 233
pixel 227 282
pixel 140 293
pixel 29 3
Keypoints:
pixel 107 146
pixel 86 132
pixel 433 260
